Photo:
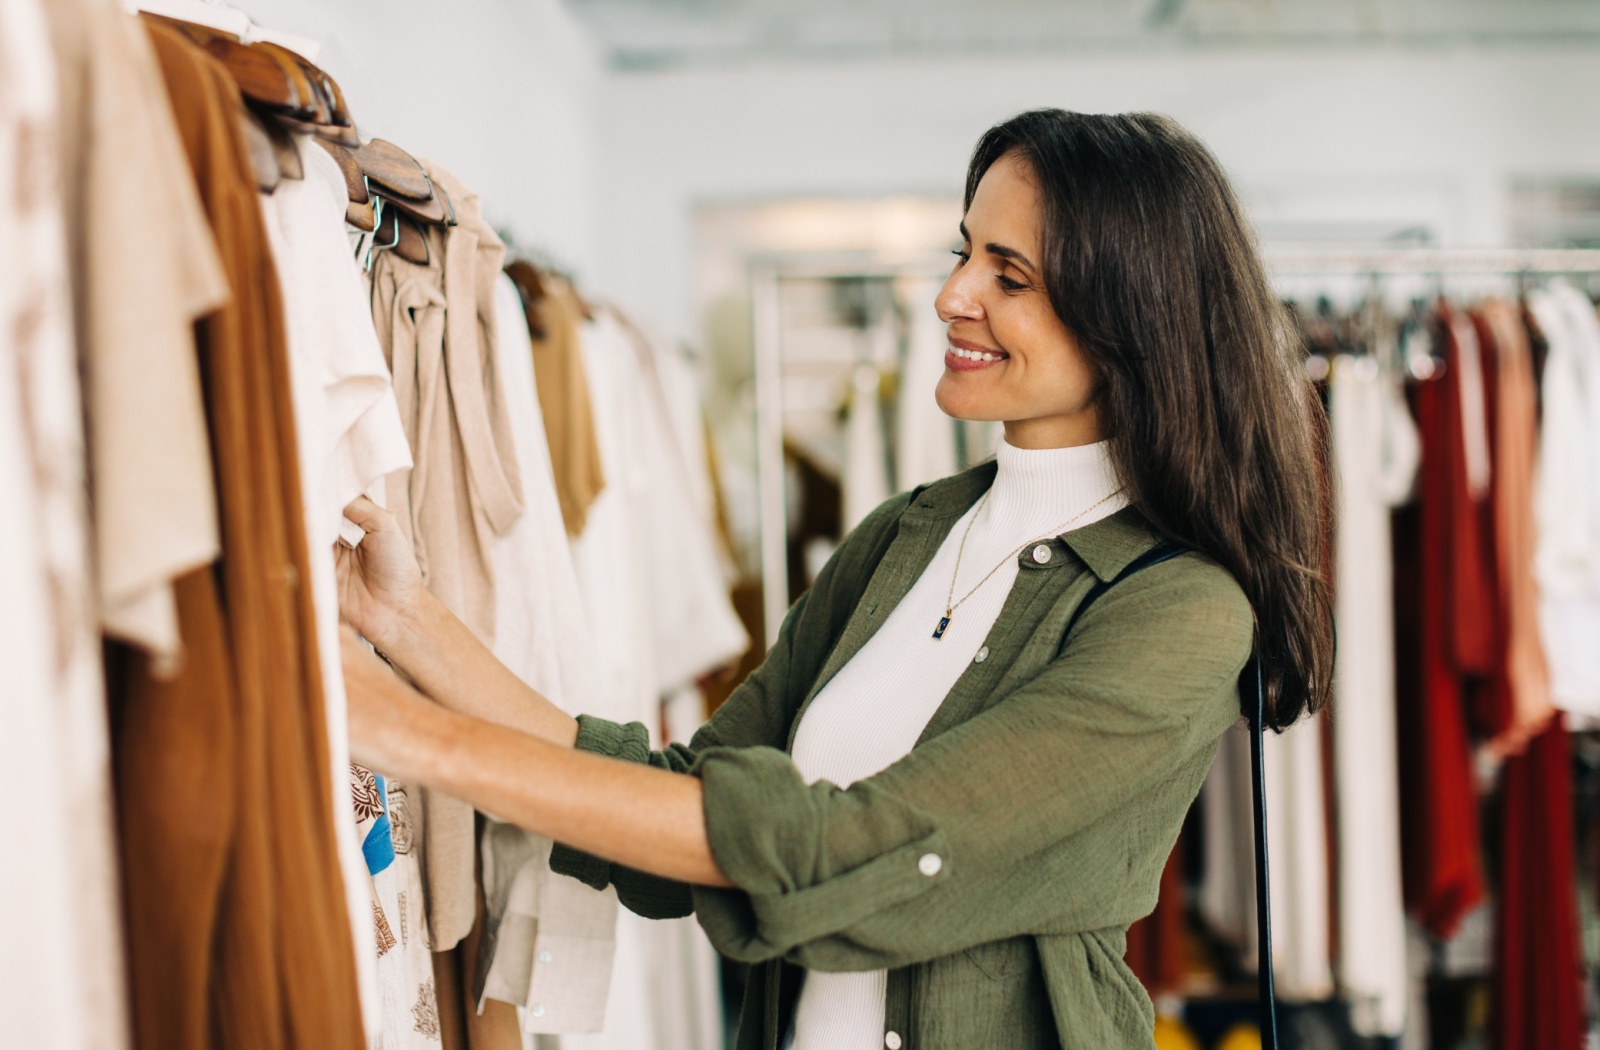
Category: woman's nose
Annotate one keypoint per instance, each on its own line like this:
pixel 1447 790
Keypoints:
pixel 956 301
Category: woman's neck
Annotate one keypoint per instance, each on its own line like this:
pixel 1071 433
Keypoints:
pixel 1039 489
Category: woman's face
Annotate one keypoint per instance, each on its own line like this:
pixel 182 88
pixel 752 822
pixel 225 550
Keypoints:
pixel 1010 357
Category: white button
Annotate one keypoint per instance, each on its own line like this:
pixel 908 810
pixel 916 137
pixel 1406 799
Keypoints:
pixel 930 864
pixel 892 1040
pixel 545 956
pixel 983 654
pixel 537 1009
pixel 1041 553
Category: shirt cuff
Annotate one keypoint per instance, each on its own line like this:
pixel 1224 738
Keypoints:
pixel 811 860
pixel 631 743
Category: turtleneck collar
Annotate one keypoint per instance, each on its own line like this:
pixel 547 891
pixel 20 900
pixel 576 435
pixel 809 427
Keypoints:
pixel 1036 490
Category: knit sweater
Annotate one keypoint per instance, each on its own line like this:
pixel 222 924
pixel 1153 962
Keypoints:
pixel 872 712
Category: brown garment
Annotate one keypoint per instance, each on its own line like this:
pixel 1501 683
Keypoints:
pixel 1522 680
pixel 238 935
pixel 143 269
pixel 564 399
pixel 437 327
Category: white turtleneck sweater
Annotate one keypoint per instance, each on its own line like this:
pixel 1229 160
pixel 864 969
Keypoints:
pixel 871 713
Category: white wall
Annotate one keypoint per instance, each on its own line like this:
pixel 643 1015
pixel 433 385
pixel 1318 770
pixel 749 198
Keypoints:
pixel 507 94
pixel 1429 136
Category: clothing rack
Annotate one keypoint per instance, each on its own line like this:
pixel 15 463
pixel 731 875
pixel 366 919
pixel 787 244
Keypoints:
pixel 1425 261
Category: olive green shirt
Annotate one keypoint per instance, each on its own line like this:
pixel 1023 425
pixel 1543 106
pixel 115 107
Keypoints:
pixel 995 869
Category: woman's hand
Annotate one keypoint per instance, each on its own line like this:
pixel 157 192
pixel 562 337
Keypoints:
pixel 380 586
pixel 385 714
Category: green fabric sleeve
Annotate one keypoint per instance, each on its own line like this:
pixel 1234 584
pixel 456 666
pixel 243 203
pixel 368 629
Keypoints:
pixel 1029 818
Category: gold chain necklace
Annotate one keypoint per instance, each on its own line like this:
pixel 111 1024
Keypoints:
pixel 950 605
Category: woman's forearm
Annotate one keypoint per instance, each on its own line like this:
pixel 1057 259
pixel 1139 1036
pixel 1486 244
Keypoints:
pixel 644 818
pixel 448 663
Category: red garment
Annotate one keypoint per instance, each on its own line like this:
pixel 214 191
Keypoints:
pixel 1156 943
pixel 1538 975
pixel 1445 643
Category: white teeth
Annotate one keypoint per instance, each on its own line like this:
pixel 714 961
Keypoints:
pixel 975 355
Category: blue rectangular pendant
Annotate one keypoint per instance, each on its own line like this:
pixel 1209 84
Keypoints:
pixel 944 621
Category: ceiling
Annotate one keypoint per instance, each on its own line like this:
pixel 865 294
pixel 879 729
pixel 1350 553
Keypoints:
pixel 666 33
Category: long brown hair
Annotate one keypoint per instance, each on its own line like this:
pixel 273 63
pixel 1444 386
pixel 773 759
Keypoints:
pixel 1214 428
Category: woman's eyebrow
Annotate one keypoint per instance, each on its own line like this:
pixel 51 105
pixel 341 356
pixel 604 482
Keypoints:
pixel 1001 250
pixel 1010 253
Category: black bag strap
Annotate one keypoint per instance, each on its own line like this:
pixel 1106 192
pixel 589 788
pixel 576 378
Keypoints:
pixel 1254 708
pixel 1256 715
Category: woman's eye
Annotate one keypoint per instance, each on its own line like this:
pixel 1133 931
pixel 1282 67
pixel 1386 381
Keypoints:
pixel 1008 284
pixel 959 254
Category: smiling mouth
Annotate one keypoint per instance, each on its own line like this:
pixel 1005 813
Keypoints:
pixel 978 355
pixel 967 357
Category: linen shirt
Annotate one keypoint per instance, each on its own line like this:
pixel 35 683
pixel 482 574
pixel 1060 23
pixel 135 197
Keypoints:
pixel 994 870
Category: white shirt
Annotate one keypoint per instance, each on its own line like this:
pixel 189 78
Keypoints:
pixel 871 713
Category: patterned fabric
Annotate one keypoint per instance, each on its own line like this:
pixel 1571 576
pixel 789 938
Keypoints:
pixel 373 825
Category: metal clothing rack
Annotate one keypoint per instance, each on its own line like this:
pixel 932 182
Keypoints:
pixel 1427 261
pixel 768 273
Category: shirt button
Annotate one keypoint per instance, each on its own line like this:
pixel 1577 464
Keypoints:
pixel 892 1040
pixel 545 957
pixel 537 1009
pixel 983 654
pixel 930 864
pixel 1041 554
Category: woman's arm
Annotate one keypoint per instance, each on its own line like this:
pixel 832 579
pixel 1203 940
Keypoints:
pixel 648 819
pixel 382 595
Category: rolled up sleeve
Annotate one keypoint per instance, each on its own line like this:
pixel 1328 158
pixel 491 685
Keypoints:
pixel 993 828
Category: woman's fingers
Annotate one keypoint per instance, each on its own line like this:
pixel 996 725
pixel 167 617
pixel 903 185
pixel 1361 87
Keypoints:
pixel 367 514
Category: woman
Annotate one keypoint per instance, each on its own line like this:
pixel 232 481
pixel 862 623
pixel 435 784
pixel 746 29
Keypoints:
pixel 930 816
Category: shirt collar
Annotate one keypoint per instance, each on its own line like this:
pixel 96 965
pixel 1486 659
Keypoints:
pixel 1107 546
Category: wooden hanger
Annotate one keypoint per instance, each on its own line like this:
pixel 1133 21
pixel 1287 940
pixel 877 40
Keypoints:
pixel 355 183
pixel 437 210
pixel 391 168
pixel 362 215
pixel 263 154
pixel 530 289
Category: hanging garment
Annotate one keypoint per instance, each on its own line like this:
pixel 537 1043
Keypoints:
pixel 1297 837
pixel 1538 974
pixel 1375 451
pixel 1567 497
pixel 144 268
pixel 691 614
pixel 1444 594
pixel 1227 891
pixel 564 397
pixel 350 437
pixel 648 570
pixel 408 1007
pixel 925 442
pixel 549 939
pixel 1521 688
pixel 62 953
pixel 866 476
pixel 278 967
pixel 436 325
